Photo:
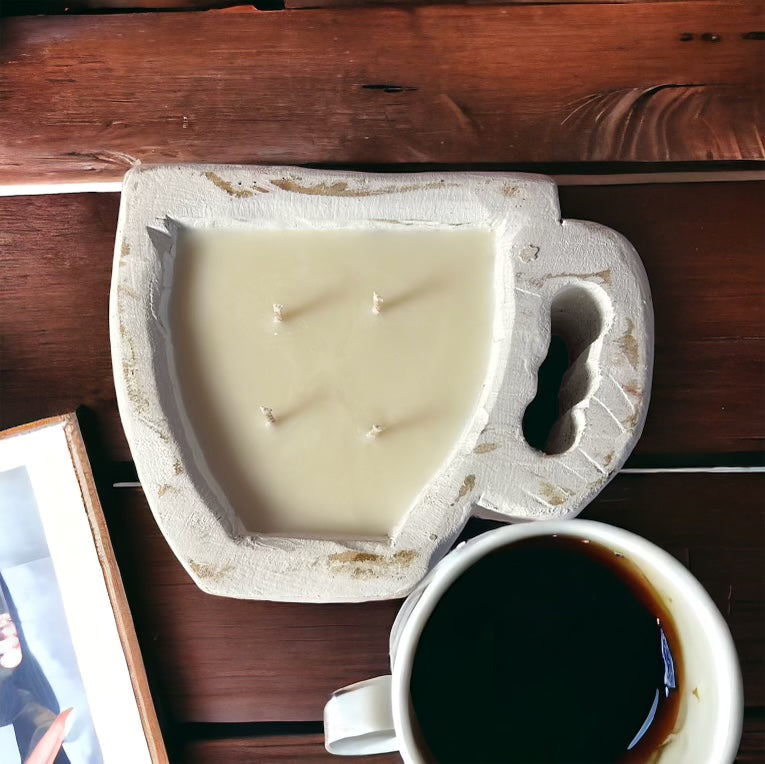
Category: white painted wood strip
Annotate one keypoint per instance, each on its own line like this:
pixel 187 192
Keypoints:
pixel 620 179
pixel 42 189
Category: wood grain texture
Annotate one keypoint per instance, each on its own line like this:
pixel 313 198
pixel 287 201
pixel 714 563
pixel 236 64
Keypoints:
pixel 86 97
pixel 701 245
pixel 309 749
pixel 702 250
pixel 50 7
pixel 55 259
pixel 225 660
pixel 291 4
pixel 217 659
pixel 752 748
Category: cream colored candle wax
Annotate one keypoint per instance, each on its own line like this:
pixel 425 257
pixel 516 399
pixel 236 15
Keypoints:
pixel 327 375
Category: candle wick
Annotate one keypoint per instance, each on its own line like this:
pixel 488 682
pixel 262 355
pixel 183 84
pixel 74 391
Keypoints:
pixel 377 302
pixel 278 312
pixel 375 431
pixel 268 415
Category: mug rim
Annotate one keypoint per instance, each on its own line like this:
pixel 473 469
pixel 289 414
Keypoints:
pixel 725 667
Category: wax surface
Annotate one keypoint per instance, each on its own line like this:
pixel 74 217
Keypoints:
pixel 332 369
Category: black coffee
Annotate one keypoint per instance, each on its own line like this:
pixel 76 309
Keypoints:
pixel 548 650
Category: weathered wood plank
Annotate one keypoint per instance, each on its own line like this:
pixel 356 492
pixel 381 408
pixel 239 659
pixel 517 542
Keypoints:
pixel 225 660
pixel 51 7
pixel 217 659
pixel 351 3
pixel 55 260
pixel 307 749
pixel 85 97
pixel 709 305
pixel 701 244
pixel 752 748
pixel 48 7
pixel 310 748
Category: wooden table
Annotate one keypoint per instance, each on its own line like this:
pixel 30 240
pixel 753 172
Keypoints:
pixel 650 113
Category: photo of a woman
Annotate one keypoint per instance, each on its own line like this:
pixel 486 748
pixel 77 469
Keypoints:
pixel 44 715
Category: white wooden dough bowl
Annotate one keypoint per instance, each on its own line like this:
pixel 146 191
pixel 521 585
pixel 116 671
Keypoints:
pixel 583 280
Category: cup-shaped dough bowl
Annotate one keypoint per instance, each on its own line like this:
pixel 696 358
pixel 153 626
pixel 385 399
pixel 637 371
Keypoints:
pixel 574 279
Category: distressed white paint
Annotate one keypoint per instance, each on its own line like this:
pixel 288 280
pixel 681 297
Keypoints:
pixel 589 276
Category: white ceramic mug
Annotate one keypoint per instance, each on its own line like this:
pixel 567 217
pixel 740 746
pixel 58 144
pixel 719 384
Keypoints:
pixel 375 716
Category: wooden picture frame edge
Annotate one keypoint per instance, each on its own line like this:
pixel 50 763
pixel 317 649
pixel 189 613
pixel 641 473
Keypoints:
pixel 112 578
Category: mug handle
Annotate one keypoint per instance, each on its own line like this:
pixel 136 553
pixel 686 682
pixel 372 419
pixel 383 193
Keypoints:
pixel 358 719
pixel 586 283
